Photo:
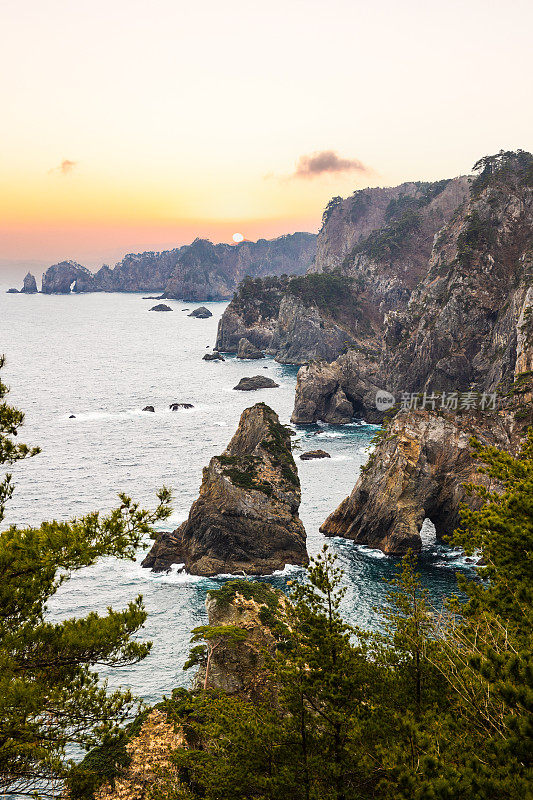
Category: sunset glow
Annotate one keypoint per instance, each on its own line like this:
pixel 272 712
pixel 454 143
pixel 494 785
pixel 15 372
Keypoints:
pixel 120 132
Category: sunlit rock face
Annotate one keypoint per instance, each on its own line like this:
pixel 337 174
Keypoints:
pixel 246 517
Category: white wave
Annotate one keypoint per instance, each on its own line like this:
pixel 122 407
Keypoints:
pixel 372 552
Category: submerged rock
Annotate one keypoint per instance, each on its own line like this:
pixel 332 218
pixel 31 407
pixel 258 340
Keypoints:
pixel 72 416
pixel 311 454
pixel 246 350
pixel 177 406
pixel 200 313
pixel 213 357
pixel 246 517
pixel 12 291
pixel 161 307
pixel 149 408
pixel 256 382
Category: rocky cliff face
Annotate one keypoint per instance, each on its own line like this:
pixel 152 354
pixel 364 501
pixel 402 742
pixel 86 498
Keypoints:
pixel 199 271
pixel 372 250
pixel 467 321
pixel 238 668
pixel 205 271
pixel 394 224
pixel 30 284
pixel 246 517
pixel 417 471
pixel 62 278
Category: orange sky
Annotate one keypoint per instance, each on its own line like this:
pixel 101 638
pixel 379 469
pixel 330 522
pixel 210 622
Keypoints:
pixel 130 125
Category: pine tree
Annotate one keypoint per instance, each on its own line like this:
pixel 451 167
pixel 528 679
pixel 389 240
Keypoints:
pixel 50 695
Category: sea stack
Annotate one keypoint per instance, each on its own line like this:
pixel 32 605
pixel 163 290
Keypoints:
pixel 245 520
pixel 30 284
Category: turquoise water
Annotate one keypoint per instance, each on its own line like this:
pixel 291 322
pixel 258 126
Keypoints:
pixel 103 357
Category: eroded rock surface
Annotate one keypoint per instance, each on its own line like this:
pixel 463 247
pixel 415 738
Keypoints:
pixel 254 383
pixel 246 517
pixel 29 285
pixel 416 471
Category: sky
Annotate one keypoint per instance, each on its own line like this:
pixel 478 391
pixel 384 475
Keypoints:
pixel 130 126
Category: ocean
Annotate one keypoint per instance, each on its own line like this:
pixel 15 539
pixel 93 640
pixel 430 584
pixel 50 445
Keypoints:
pixel 102 358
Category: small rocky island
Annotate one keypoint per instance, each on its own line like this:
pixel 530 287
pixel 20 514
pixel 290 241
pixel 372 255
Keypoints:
pixel 256 382
pixel 246 517
pixel 200 313
pixel 161 307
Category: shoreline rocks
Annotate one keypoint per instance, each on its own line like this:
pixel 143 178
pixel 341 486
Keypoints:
pixel 214 356
pixel 245 519
pixel 246 350
pixel 200 313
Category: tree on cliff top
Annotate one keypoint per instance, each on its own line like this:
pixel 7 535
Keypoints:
pixel 50 698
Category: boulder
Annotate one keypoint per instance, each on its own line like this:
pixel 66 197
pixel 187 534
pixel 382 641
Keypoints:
pixel 149 408
pixel 246 350
pixel 200 313
pixel 72 416
pixel 12 291
pixel 214 356
pixel 311 454
pixel 246 517
pixel 161 307
pixel 255 382
pixel 177 406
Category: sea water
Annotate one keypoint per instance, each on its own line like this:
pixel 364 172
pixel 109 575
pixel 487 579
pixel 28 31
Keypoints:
pixel 102 358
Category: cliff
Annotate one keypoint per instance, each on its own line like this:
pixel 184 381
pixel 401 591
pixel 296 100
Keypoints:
pixel 467 323
pixel 246 517
pixel 199 271
pixel 372 250
pixel 417 471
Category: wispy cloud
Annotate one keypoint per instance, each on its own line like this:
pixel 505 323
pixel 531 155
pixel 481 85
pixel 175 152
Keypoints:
pixel 65 168
pixel 327 162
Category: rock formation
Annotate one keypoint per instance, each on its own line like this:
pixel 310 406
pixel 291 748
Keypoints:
pixel 201 313
pixel 246 350
pixel 149 408
pixel 30 284
pixel 253 608
pixel 310 455
pixel 373 249
pixel 12 291
pixel 246 517
pixel 254 383
pixel 214 356
pixel 66 277
pixel 417 471
pixel 199 271
pixel 161 307
pixel 466 324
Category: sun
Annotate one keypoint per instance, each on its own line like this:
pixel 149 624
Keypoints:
pixel 237 238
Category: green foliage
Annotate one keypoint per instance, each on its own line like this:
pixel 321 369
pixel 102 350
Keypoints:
pixel 323 289
pixel 477 235
pixel 331 206
pixel 387 242
pixel 503 168
pixel 50 696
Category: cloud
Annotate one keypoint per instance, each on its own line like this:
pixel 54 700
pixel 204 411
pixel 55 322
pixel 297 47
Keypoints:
pixel 327 162
pixel 65 168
